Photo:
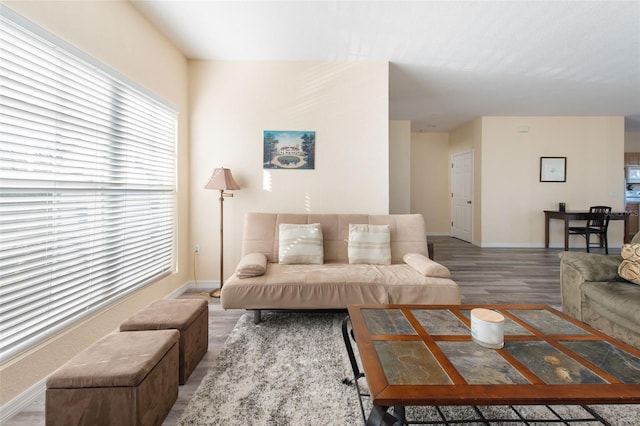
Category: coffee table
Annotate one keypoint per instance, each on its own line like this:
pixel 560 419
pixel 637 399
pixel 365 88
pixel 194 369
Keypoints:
pixel 423 355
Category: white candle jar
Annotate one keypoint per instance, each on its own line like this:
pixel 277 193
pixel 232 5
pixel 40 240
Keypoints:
pixel 487 328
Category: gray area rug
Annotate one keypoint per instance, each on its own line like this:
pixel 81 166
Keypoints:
pixel 288 370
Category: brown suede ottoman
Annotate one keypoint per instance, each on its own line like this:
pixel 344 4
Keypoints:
pixel 189 316
pixel 122 379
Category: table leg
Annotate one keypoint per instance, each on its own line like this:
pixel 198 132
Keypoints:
pixel 347 343
pixel 566 233
pixel 380 417
pixel 626 236
pixel 546 230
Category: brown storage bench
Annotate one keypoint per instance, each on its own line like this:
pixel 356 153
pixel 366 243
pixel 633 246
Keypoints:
pixel 122 379
pixel 189 316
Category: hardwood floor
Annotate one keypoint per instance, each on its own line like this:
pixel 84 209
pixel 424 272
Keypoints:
pixel 501 275
pixel 485 275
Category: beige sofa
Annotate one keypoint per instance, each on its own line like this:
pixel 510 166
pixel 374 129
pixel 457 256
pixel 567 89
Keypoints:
pixel 593 292
pixel 335 283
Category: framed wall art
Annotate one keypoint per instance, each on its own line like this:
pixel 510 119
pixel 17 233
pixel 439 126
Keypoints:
pixel 553 169
pixel 289 149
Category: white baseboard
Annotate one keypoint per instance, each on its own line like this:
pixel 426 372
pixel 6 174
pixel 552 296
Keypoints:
pixel 207 286
pixel 541 245
pixel 38 390
pixel 558 245
pixel 512 245
pixel 23 400
pixel 204 285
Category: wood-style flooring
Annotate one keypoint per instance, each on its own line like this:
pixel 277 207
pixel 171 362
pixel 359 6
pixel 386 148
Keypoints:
pixel 485 276
pixel 501 275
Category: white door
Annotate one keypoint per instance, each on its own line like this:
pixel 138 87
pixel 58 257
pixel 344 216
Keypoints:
pixel 461 196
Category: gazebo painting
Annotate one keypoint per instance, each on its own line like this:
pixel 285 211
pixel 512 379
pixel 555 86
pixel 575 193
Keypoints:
pixel 289 149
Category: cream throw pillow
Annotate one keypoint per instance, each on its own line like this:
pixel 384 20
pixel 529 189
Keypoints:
pixel 300 243
pixel 426 266
pixel 252 265
pixel 629 269
pixel 369 244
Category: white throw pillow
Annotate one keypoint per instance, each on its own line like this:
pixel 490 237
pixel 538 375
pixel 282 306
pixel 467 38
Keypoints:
pixel 300 243
pixel 369 244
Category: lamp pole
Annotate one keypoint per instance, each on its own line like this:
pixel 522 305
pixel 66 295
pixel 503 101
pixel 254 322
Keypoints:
pixel 216 292
pixel 221 179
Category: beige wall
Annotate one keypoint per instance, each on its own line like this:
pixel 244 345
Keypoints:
pixel 116 34
pixel 632 142
pixel 513 198
pixel 430 181
pixel 232 103
pixel 399 166
pixel 508 197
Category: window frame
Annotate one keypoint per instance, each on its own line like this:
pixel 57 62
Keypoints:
pixel 164 199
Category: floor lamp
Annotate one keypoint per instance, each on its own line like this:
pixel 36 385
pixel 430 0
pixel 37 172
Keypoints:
pixel 222 180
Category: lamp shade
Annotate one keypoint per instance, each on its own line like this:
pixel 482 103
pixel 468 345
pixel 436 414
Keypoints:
pixel 222 179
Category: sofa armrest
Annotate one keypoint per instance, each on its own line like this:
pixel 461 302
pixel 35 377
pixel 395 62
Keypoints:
pixel 576 268
pixel 251 265
pixel 592 266
pixel 426 266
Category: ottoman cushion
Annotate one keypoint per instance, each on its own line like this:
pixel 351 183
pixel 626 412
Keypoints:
pixel 189 316
pixel 122 379
pixel 166 313
pixel 118 359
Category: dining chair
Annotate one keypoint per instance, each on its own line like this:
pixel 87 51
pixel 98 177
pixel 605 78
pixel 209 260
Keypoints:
pixel 597 224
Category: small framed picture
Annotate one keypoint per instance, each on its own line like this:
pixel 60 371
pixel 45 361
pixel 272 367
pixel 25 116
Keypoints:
pixel 553 169
pixel 289 149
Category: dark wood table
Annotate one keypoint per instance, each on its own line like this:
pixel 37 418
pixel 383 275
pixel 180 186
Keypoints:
pixel 423 355
pixel 578 215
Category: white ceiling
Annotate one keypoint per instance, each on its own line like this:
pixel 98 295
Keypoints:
pixel 451 61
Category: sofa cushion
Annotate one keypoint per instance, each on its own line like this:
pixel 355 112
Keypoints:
pixel 251 265
pixel 369 244
pixel 300 243
pixel 426 266
pixel 334 286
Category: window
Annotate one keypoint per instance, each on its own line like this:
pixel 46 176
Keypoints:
pixel 87 185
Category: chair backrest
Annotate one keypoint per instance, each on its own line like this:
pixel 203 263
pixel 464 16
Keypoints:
pixel 599 217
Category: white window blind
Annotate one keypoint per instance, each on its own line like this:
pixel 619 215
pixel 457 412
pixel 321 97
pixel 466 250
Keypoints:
pixel 87 187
